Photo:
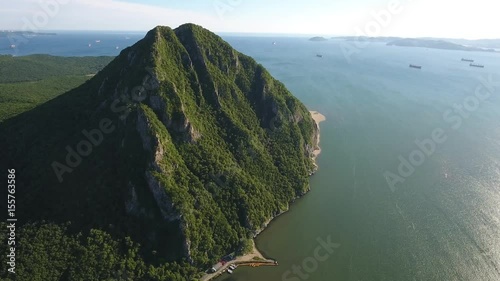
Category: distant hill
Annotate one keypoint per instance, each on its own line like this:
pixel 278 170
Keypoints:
pixel 435 44
pixel 318 39
pixel 481 45
pixel 367 39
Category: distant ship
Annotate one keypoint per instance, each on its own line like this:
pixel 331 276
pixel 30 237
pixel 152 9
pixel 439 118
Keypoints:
pixel 274 43
pixel 98 41
pixel 117 47
pixel 90 45
pixel 12 46
pixel 477 65
pixel 319 56
pixel 467 60
pixel 415 66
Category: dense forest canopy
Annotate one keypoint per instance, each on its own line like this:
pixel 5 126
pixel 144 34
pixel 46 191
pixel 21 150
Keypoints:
pixel 192 147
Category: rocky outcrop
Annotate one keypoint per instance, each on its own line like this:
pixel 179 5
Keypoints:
pixel 164 203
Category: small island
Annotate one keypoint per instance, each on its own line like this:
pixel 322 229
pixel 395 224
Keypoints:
pixel 318 39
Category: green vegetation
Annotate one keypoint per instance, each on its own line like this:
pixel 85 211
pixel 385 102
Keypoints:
pixel 16 98
pixel 26 82
pixel 246 247
pixel 38 67
pixel 211 148
pixel 46 252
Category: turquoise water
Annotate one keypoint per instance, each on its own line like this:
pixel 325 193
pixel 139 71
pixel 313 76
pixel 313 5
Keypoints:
pixel 443 221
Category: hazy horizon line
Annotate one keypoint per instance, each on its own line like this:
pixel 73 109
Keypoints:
pixel 250 34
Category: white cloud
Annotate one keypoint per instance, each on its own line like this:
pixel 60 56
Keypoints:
pixel 449 18
pixel 443 18
pixel 96 15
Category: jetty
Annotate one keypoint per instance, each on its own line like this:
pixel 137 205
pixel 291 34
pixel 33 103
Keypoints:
pixel 226 268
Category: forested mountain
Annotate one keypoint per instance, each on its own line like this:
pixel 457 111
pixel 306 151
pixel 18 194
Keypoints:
pixel 166 160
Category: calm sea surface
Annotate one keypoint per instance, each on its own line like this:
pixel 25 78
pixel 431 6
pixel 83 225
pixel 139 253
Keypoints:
pixel 438 218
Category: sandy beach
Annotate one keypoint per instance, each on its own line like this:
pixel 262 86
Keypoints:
pixel 254 256
pixel 318 118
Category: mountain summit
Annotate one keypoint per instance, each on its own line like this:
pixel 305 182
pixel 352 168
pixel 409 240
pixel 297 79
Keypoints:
pixel 181 143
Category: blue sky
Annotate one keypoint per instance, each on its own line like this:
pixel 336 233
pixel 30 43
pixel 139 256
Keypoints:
pixel 407 18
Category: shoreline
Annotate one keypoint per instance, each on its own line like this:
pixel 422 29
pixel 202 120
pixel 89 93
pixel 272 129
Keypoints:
pixel 256 254
pixel 318 118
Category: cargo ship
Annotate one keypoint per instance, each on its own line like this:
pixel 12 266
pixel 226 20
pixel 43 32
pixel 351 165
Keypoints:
pixel 415 66
pixel 476 65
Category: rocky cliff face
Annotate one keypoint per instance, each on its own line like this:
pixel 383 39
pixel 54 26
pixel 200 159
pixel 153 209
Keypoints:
pixel 207 147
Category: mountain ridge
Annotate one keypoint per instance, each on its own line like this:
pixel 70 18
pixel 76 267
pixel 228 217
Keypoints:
pixel 193 148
